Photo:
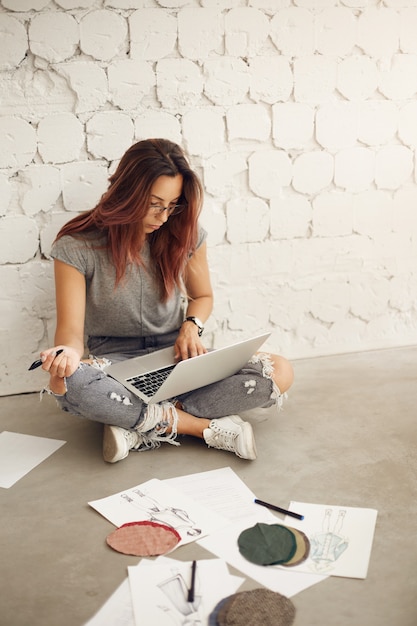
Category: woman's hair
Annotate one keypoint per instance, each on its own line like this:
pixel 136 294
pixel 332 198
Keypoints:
pixel 120 212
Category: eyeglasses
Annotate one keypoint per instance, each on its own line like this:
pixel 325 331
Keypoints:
pixel 158 209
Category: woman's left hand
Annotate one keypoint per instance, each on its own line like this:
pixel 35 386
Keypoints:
pixel 188 342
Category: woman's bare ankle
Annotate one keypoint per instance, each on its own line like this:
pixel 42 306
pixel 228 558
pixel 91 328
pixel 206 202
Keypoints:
pixel 191 425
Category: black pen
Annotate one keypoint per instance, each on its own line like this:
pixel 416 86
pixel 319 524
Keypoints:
pixel 190 597
pixel 39 362
pixel 278 508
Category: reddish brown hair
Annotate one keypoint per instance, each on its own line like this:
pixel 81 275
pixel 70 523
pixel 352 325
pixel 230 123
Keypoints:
pixel 120 212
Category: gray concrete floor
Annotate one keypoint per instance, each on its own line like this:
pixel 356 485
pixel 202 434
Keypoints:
pixel 347 436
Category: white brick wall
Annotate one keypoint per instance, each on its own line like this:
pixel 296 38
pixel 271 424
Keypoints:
pixel 299 115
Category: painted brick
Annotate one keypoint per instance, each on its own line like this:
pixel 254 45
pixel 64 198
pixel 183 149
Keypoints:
pixel 179 83
pixel 88 81
pixel 271 79
pixel 393 166
pixel 76 4
pixel 246 31
pixel 28 303
pixel 213 219
pixel 222 173
pixel 5 194
pixel 49 232
pixel 403 290
pixel 407 124
pixel 83 184
pixel 408 27
pixel 372 213
pixel 124 4
pixel 292 31
pixel 337 125
pixel 239 319
pixel 269 171
pixel 208 23
pixel 398 77
pixel 369 296
pixel 158 123
pixel 247 220
pixel 378 32
pixel 109 134
pixel 60 138
pixel 203 130
pixel 404 219
pixel 354 169
pixel 248 121
pixel 13 42
pixel 378 122
pixel 129 82
pixel 330 300
pixel 290 216
pixel 226 80
pixel 357 77
pixel 224 4
pixel 293 124
pixel 153 34
pixel 53 36
pixel 335 31
pixel 288 307
pixel 20 239
pixel 103 34
pixel 18 142
pixel 332 214
pixel 34 95
pixel 25 5
pixel 314 79
pixel 312 172
pixel 40 188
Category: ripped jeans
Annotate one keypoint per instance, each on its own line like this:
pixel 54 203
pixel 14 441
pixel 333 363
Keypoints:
pixel 92 394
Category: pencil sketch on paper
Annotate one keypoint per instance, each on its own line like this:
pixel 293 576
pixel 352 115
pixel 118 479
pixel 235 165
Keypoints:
pixel 329 543
pixel 156 511
pixel 182 612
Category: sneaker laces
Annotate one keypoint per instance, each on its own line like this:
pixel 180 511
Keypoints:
pixel 153 428
pixel 133 439
pixel 224 438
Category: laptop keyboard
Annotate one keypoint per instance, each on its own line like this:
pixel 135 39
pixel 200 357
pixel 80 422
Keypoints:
pixel 150 382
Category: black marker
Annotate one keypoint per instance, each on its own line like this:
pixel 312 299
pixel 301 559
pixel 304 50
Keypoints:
pixel 278 508
pixel 39 362
pixel 190 597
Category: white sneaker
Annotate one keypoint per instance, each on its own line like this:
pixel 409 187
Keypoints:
pixel 231 433
pixel 118 441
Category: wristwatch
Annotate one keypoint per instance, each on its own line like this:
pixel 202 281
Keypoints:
pixel 197 322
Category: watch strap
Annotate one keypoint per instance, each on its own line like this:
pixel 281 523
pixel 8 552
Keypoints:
pixel 197 322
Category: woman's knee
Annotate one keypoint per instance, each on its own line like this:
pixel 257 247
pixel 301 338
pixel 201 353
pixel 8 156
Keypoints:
pixel 283 372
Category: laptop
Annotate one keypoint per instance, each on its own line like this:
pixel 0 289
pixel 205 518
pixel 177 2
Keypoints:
pixel 156 376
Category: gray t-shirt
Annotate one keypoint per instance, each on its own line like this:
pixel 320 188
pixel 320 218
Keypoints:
pixel 133 308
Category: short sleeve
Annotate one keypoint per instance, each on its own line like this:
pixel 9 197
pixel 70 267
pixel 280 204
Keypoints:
pixel 74 252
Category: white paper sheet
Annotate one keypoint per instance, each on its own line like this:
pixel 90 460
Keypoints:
pixel 223 491
pixel 20 453
pixel 340 537
pixel 159 591
pixel 163 504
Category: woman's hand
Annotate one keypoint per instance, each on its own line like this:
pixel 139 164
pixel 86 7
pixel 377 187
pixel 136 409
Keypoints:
pixel 188 342
pixel 60 365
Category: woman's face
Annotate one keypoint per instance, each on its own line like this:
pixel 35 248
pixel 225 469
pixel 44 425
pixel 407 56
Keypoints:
pixel 165 194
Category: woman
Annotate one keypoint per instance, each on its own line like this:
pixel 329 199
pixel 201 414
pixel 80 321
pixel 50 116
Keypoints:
pixel 123 272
